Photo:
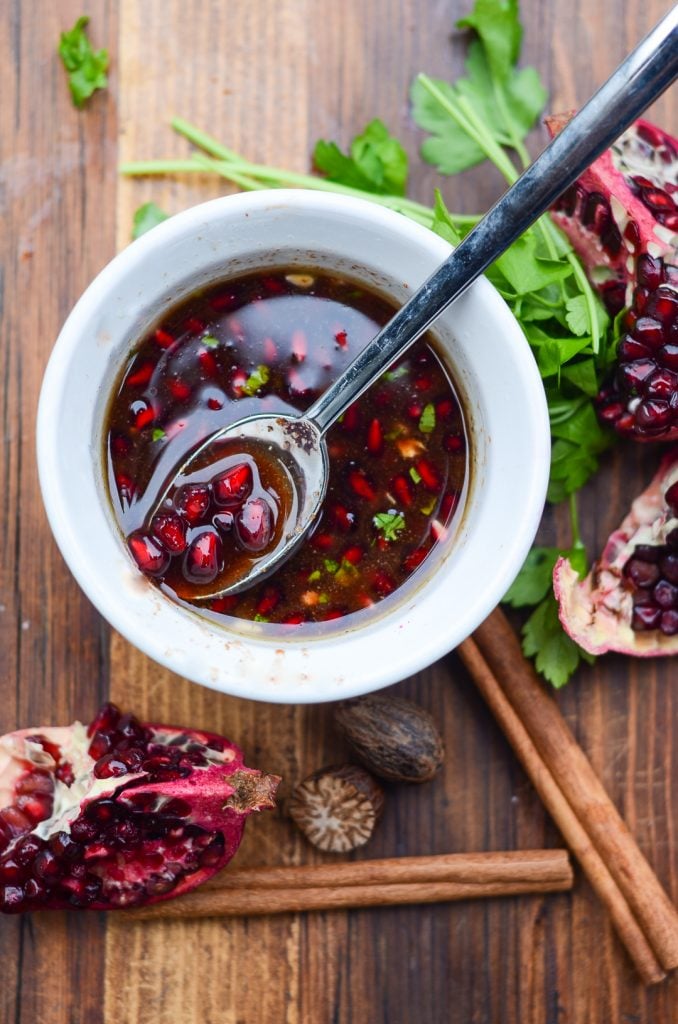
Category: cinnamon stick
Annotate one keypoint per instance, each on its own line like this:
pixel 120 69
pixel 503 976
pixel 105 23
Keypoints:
pixel 532 866
pixel 234 902
pixel 580 786
pixel 572 830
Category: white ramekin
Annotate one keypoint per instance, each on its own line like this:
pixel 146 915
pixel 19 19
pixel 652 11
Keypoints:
pixel 455 588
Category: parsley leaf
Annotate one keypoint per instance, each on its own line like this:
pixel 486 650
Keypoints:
pixel 256 380
pixel 556 654
pixel 391 524
pixel 86 69
pixel 146 216
pixel 427 420
pixel 414 475
pixel 210 341
pixel 159 434
pixel 377 161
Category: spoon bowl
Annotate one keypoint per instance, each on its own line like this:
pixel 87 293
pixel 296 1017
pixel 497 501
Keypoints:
pixel 297 447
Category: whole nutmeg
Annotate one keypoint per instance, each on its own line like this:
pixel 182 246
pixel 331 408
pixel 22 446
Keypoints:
pixel 395 738
pixel 337 807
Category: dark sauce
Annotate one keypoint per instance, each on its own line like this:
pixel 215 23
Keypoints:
pixel 268 342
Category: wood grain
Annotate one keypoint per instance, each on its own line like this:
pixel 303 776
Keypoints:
pixel 269 78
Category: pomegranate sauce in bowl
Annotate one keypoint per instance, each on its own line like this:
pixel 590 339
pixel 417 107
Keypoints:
pixel 271 342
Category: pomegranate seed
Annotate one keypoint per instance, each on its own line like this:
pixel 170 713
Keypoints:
pixel 35 890
pixel 322 541
pixel 26 850
pixel 646 617
pixel 649 271
pixel 110 766
pixel 151 558
pixel 270 351
pixel 47 866
pixel 84 831
pixel 414 559
pixel 654 414
pixel 454 443
pixel 668 355
pixel 669 622
pixel 225 300
pixel 178 389
pixel 208 363
pixel 214 403
pixel 120 445
pixel 192 501
pixel 170 530
pixel 37 806
pixel 383 583
pixel 665 595
pixel 422 383
pixel 642 574
pixel 402 489
pixel 140 376
pixel 107 717
pixel 299 346
pixel 669 569
pixel 341 338
pixel 438 531
pixel 144 416
pixel 448 505
pixel 35 782
pixel 429 475
pixel 344 519
pixel 11 871
pixel 375 438
pixel 254 524
pixel 164 339
pixel 328 616
pixel 194 325
pixel 361 485
pixel 649 332
pixel 354 554
pixel 11 898
pixel 203 558
pixel 273 285
pixel 662 384
pixel 269 601
pixel 351 418
pixel 233 486
pixel 296 383
pixel 414 410
pixel 294 619
pixel 101 744
pixel 238 381
pixel 62 845
pixel 444 408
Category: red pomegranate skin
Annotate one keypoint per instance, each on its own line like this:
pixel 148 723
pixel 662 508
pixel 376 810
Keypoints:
pixel 120 813
pixel 628 602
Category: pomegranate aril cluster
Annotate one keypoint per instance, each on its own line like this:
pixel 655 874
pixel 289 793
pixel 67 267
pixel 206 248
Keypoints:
pixel 652 572
pixel 96 861
pixel 193 525
pixel 642 400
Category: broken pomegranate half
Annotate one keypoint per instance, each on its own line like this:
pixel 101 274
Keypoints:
pixel 621 217
pixel 629 600
pixel 119 813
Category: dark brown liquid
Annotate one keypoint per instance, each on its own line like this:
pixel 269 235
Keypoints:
pixel 270 342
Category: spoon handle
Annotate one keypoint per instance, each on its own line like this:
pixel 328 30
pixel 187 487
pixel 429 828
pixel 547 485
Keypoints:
pixel 636 83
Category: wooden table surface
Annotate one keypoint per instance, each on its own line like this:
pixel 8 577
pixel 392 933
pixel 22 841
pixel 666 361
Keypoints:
pixel 268 77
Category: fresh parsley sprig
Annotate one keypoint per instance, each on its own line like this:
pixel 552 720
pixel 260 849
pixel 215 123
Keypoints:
pixel 86 68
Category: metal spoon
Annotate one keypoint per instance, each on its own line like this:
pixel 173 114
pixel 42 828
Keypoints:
pixel 299 440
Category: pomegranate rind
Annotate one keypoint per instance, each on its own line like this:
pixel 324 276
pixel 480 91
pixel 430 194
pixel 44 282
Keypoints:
pixel 596 611
pixel 220 791
pixel 606 177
